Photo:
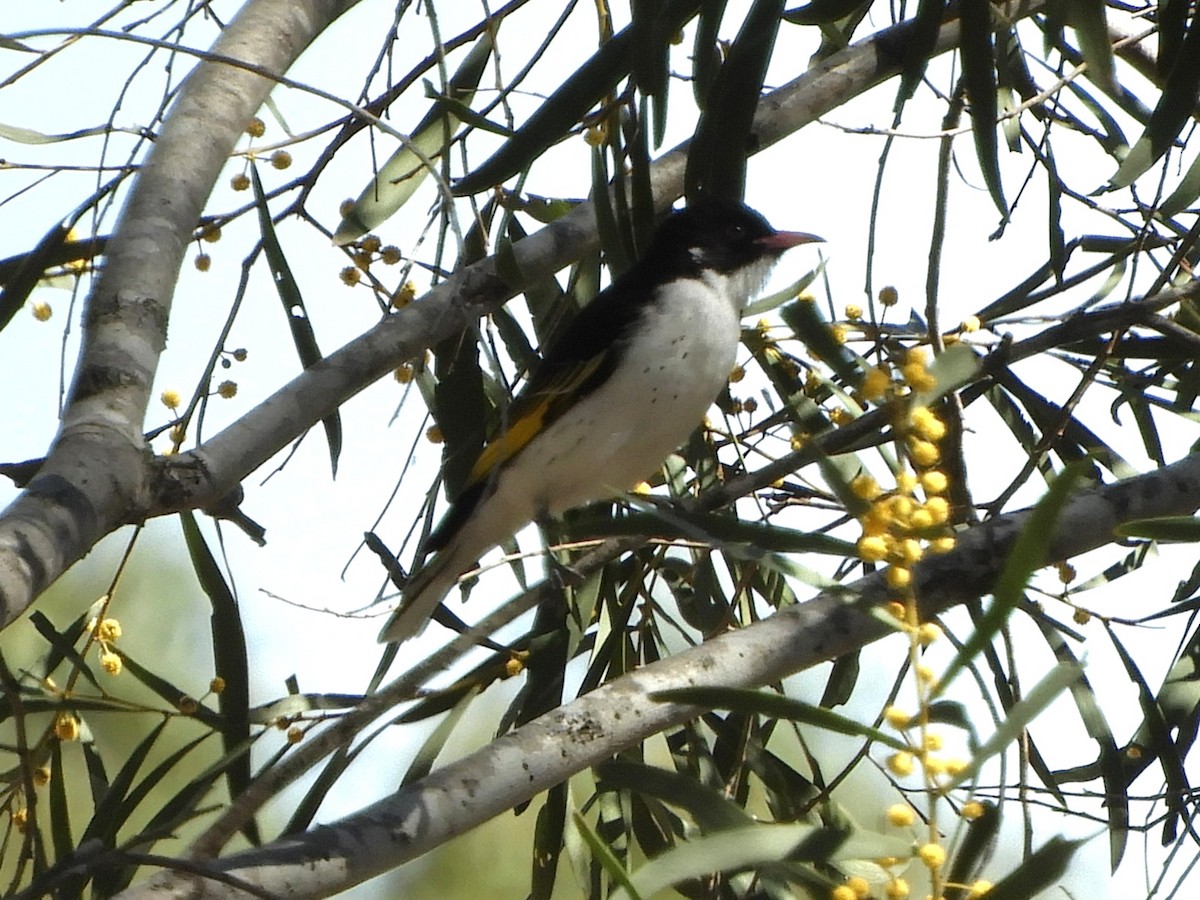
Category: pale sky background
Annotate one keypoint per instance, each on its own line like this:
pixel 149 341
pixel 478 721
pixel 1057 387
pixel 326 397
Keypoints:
pixel 820 180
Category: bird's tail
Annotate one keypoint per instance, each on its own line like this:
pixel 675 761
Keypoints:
pixel 424 591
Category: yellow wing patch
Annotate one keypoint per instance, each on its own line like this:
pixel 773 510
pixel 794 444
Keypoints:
pixel 529 416
pixel 508 443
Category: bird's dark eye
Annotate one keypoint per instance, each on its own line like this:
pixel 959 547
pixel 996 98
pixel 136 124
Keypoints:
pixel 737 230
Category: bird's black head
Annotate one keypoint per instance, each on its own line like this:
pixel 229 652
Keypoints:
pixel 720 234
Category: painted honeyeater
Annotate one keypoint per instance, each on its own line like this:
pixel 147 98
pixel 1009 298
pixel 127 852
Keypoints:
pixel 625 384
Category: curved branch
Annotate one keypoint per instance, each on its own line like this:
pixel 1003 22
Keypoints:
pixel 97 475
pixel 618 715
pixel 201 477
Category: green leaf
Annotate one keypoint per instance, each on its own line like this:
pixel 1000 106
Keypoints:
pixel 110 881
pixel 20 284
pixel 303 336
pixel 976 846
pixel 462 409
pixel 63 645
pixel 1172 529
pixel 769 703
pixel 1043 869
pixel 921 38
pixel 8 43
pixel 651 61
pixel 717 156
pixel 706 54
pixel 806 323
pixel 670 522
pixel 1174 108
pixel 1088 19
pixel 21 135
pixel 955 366
pixel 169 692
pixel 979 74
pixel 398 178
pixel 1153 737
pixel 1171 18
pixel 754 845
pixel 229 657
pixel 548 839
pixel 564 109
pixel 110 813
pixel 1019 716
pixel 427 754
pixel 603 854
pixel 60 810
pixel 711 810
pixel 1185 192
pixel 817 12
pixel 1057 240
pixel 1026 556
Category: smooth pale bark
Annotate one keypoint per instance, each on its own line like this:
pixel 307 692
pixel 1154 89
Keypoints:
pixel 99 474
pixel 619 714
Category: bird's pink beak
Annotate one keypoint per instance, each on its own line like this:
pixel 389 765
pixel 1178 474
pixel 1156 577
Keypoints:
pixel 785 240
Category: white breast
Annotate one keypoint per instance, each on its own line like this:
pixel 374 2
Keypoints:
pixel 672 369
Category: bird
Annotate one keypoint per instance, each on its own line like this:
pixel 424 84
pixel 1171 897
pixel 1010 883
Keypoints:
pixel 624 385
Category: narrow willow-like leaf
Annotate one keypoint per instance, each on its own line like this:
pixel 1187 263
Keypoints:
pixel 548 839
pixel 564 109
pixel 462 411
pixel 1027 555
pixel 1185 192
pixel 59 808
pixel 110 881
pixel 1088 19
pixel 816 12
pixel 1173 529
pixel 1057 239
pixel 1041 870
pixel 717 157
pixel 1161 715
pixel 229 656
pixel 1171 18
pixel 169 691
pixel 672 523
pixel 979 73
pixel 603 854
pixel 1111 759
pixel 20 135
pixel 706 54
pixel 20 284
pixel 754 845
pixel 922 36
pixel 769 703
pixel 427 754
pixel 303 336
pixel 63 645
pixel 1019 717
pixel 976 845
pixel 110 814
pixel 398 178
pixel 710 809
pixel 955 366
pixel 805 320
pixel 1174 108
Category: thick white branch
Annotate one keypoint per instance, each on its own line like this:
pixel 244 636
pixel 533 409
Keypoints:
pixel 200 478
pixel 618 715
pixel 97 475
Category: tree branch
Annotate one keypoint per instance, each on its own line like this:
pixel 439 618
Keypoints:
pixel 545 752
pixel 196 478
pixel 97 475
